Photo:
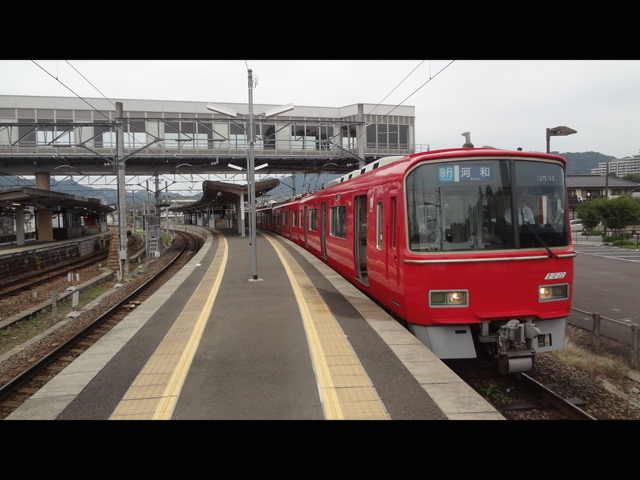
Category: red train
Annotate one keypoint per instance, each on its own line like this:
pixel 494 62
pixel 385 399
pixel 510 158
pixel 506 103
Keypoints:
pixel 470 247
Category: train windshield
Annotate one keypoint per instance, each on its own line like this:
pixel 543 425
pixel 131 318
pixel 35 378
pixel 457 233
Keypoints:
pixel 486 204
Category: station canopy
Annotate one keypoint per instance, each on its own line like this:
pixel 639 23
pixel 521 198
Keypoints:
pixel 220 194
pixel 27 196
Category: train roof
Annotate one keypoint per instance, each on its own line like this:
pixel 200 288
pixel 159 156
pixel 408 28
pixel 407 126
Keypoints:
pixel 372 166
pixel 467 151
pixel 420 156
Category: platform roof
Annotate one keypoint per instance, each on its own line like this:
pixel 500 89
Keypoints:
pixel 27 196
pixel 220 194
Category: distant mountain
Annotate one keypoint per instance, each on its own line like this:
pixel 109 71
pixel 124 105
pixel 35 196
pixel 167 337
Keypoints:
pixel 582 163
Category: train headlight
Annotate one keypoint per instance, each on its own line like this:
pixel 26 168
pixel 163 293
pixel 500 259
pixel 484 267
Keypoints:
pixel 449 298
pixel 550 293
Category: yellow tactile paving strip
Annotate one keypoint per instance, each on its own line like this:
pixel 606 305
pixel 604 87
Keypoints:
pixel 345 389
pixel 155 391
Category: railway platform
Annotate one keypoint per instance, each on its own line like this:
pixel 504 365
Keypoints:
pixel 298 343
pixel 47 253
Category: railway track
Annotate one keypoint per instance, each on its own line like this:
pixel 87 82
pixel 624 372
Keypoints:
pixel 566 407
pixel 38 277
pixel 18 385
pixel 13 285
pixel 554 390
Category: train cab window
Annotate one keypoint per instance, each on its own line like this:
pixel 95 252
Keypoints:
pixel 466 205
pixel 540 210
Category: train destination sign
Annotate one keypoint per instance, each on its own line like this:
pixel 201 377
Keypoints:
pixel 457 173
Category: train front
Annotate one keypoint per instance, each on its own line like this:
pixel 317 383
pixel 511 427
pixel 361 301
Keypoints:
pixel 489 262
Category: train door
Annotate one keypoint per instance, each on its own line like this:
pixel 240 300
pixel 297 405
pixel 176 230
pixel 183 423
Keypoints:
pixel 294 223
pixel 361 238
pixel 323 228
pixel 305 220
pixel 392 242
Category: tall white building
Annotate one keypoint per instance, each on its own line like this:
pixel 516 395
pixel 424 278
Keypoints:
pixel 620 167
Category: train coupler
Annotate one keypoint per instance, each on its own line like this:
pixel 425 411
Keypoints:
pixel 516 361
pixel 513 359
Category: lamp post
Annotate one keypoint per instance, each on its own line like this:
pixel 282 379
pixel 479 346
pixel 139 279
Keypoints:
pixel 558 132
pixel 251 164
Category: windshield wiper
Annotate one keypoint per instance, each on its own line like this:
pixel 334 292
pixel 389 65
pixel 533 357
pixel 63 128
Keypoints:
pixel 551 254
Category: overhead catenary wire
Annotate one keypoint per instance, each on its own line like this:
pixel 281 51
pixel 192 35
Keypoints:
pixel 410 95
pixel 56 77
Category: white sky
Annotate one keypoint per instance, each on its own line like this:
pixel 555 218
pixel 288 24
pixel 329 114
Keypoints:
pixel 503 103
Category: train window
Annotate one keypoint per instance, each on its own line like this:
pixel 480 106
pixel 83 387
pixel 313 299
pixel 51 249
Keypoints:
pixel 541 209
pixel 313 219
pixel 466 205
pixel 338 221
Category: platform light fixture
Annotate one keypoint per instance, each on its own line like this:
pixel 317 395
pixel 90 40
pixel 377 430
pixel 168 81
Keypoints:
pixel 236 167
pixel 222 110
pixel 558 132
pixel 278 110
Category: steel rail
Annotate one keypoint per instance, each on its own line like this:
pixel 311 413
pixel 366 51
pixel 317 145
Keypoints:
pixel 562 404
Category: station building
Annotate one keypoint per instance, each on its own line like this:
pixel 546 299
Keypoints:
pixel 44 136
pixel 80 133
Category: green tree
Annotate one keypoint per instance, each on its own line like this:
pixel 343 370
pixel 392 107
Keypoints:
pixel 632 177
pixel 618 213
pixel 589 214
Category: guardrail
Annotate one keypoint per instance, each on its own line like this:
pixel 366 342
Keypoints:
pixel 598 336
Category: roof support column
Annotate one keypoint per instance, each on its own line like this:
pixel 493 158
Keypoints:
pixel 44 224
pixel 361 132
pixel 19 224
pixel 240 214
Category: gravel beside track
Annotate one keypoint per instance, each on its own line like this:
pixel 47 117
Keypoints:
pixel 605 398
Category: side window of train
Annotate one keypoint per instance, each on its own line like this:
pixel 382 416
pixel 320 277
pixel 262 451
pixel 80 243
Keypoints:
pixel 313 220
pixel 338 221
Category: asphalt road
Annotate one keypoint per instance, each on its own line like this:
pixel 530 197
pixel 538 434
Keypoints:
pixel 607 281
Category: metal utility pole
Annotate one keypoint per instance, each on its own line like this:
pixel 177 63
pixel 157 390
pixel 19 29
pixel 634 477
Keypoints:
pixel 252 184
pixel 122 199
pixel 251 167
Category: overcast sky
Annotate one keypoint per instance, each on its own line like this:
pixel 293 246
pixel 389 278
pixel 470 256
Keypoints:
pixel 502 103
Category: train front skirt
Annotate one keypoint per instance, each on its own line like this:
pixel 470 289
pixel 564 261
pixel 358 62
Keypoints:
pixel 514 344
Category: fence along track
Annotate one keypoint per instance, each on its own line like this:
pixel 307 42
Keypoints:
pixel 598 336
